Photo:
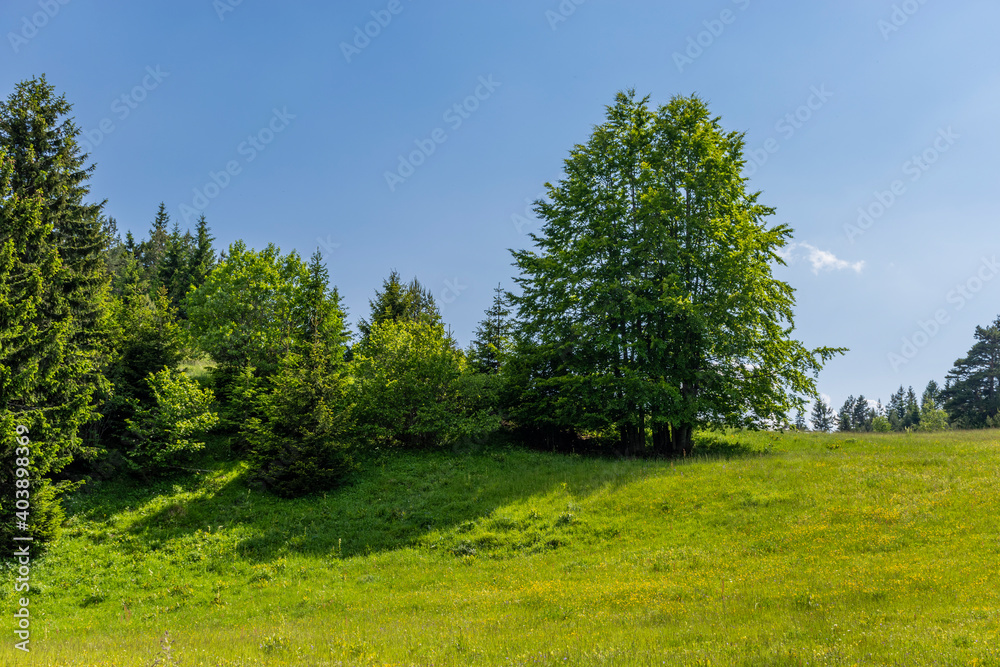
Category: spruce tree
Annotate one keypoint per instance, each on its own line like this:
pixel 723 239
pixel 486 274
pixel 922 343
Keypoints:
pixel 41 405
pixel 400 302
pixel 202 258
pixel 822 416
pixel 153 251
pixel 493 335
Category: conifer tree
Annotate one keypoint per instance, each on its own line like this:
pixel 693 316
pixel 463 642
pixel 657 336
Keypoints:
pixel 493 335
pixel 400 302
pixel 822 416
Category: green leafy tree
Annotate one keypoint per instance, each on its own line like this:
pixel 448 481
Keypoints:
pixel 300 442
pixel 407 386
pixel 168 429
pixel 649 299
pixel 249 312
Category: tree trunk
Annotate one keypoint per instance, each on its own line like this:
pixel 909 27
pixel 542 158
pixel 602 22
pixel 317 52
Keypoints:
pixel 680 440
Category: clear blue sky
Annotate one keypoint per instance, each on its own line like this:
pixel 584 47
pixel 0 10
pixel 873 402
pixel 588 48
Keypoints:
pixel 183 86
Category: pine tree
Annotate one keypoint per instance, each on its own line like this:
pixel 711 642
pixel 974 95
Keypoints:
pixel 861 419
pixel 800 422
pixel 896 410
pixel 40 402
pixel 396 302
pixel 822 416
pixel 972 394
pixel 153 251
pixel 172 273
pixel 845 418
pixel 202 259
pixel 493 335
pixel 912 417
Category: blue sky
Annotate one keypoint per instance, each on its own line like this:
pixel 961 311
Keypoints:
pixel 280 120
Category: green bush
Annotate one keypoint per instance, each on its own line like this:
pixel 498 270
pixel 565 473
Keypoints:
pixel 407 387
pixel 164 432
pixel 300 442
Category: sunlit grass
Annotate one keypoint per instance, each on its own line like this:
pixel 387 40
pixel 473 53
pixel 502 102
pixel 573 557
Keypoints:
pixel 775 550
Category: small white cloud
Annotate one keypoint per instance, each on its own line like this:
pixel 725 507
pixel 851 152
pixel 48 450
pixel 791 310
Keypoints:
pixel 821 260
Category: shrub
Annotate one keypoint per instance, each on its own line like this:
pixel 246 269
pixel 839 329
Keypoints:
pixel 163 432
pixel 406 385
pixel 299 444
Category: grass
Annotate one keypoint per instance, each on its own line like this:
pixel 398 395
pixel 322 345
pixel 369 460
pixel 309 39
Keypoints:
pixel 801 549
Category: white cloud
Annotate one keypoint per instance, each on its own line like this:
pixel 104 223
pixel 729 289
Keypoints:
pixel 821 260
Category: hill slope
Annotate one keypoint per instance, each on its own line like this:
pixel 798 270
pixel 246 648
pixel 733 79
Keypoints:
pixel 773 550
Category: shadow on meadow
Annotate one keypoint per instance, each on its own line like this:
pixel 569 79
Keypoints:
pixel 392 502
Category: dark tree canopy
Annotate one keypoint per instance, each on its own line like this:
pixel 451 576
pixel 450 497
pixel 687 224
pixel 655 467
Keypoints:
pixel 972 397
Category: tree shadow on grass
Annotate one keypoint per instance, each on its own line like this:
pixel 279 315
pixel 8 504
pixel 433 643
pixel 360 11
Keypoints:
pixel 391 503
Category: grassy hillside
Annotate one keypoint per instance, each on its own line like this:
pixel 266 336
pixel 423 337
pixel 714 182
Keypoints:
pixel 771 550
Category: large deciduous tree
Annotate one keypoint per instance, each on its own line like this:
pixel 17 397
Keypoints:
pixel 648 301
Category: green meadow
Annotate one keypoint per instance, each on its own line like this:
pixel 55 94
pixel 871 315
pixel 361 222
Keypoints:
pixel 763 549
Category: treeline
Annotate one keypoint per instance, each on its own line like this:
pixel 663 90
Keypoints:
pixel 646 310
pixel 969 399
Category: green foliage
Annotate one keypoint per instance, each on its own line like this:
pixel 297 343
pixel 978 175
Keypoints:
pixel 33 356
pixel 300 444
pixel 144 338
pixel 880 424
pixel 972 393
pixel 300 437
pixel 649 301
pixel 492 342
pixel 406 386
pixel 161 434
pixel 822 416
pixel 397 302
pixel 251 310
pixel 54 294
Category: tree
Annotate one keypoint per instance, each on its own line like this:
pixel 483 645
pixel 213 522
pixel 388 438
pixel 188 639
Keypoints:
pixel 202 259
pixel 649 299
pixel 972 396
pixel 845 418
pixel 398 302
pixel 300 443
pixel 56 357
pixel 800 422
pixel 822 416
pixel 896 410
pixel 250 311
pixel 912 416
pixel 172 273
pixel 407 385
pixel 153 251
pixel 34 349
pixel 493 336
pixel 861 418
